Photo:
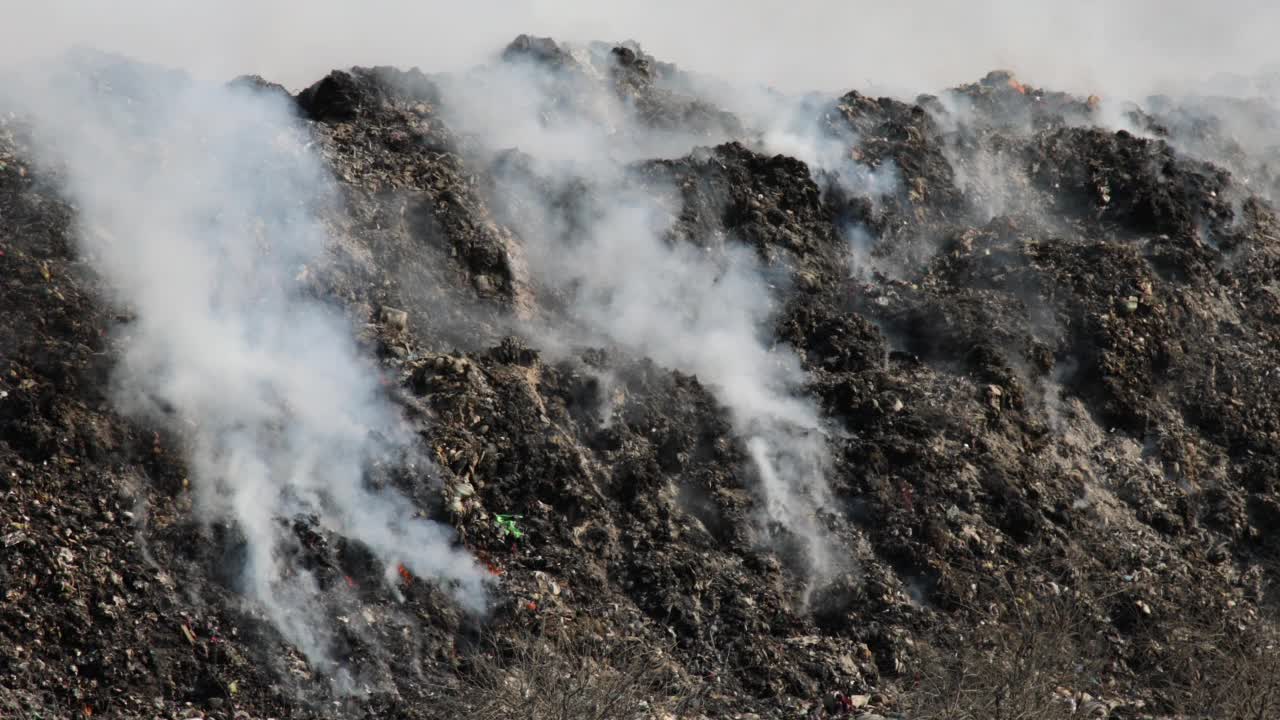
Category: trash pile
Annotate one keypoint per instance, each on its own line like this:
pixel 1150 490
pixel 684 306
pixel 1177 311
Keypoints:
pixel 1043 352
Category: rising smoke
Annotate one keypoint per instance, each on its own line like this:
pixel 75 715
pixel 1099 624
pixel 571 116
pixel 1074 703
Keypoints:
pixel 199 205
pixel 703 307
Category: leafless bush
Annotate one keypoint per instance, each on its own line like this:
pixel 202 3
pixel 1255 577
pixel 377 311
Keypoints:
pixel 1029 661
pixel 1217 667
pixel 559 676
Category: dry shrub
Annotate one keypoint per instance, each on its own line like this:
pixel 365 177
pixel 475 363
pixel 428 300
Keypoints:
pixel 1221 668
pixel 560 676
pixel 1029 661
pixel 1049 660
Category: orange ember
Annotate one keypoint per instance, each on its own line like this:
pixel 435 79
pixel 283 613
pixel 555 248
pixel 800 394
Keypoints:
pixel 1018 86
pixel 404 573
pixel 533 606
pixel 350 583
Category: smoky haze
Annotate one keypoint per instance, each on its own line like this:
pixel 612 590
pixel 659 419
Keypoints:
pixel 703 307
pixel 1127 48
pixel 200 204
pixel 179 208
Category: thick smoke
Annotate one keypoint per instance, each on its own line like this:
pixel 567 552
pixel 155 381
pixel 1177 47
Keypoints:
pixel 559 109
pixel 708 317
pixel 1234 128
pixel 596 233
pixel 198 206
pixel 810 129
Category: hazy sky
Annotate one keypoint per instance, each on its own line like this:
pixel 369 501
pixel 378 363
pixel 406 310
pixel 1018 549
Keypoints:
pixel 1082 45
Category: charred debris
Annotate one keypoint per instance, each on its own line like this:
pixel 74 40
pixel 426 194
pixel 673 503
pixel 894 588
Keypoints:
pixel 1044 355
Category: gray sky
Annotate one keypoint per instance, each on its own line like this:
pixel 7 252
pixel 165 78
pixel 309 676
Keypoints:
pixel 1082 45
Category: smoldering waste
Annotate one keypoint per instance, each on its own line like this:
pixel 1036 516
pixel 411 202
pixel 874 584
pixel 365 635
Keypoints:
pixel 794 428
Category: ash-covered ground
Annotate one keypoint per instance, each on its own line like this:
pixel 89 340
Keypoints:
pixel 454 395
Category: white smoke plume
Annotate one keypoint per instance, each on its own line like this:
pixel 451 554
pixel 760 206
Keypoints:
pixel 197 204
pixel 559 113
pixel 703 307
pixel 709 317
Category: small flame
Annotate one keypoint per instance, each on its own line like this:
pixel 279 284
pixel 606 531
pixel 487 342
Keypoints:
pixel 404 574
pixel 1022 89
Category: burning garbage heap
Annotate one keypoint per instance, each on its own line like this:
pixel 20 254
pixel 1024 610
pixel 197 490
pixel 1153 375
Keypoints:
pixel 393 395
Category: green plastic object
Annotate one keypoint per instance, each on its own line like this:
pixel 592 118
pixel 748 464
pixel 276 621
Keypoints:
pixel 507 524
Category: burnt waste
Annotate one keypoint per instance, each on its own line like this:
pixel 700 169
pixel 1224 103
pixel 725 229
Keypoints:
pixel 706 404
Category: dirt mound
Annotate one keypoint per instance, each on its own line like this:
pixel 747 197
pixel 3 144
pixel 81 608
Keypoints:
pixel 1044 362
